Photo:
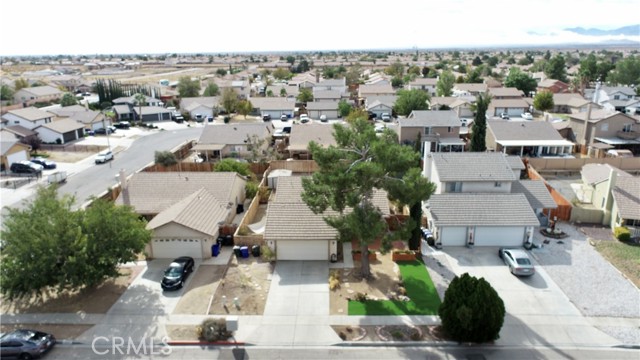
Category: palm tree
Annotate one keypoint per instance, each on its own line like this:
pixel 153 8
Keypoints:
pixel 140 99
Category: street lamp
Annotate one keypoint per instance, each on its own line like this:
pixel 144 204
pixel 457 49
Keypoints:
pixel 106 130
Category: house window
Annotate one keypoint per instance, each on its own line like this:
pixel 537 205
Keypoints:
pixel 627 127
pixel 497 184
pixel 427 131
pixel 605 127
pixel 616 97
pixel 454 187
pixel 449 129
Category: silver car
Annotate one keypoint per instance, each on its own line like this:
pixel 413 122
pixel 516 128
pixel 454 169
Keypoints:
pixel 518 261
pixel 25 344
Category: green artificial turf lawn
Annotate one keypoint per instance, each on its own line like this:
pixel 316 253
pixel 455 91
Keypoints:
pixel 420 289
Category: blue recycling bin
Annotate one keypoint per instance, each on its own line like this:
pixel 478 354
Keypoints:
pixel 215 249
pixel 244 251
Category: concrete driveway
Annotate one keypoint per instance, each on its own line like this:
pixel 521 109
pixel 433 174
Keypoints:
pixel 538 311
pixel 297 308
pixel 137 311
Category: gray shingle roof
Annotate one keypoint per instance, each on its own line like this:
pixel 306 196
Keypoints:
pixel 430 118
pixel 505 91
pixel 289 218
pixel 45 90
pixel 231 134
pixel 274 103
pixel 63 125
pixel 473 167
pixel 31 113
pixel 536 192
pixel 515 162
pixel 327 94
pixel 597 173
pixel 470 209
pixel 627 196
pixel 523 130
pixel 153 192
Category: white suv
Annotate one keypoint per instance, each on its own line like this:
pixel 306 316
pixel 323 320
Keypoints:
pixel 104 156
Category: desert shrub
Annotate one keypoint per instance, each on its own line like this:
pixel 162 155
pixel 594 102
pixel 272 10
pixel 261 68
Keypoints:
pixel 267 254
pixel 415 335
pixel 213 330
pixel 244 230
pixel 622 233
pixel 397 334
pixel 251 189
pixel 360 296
pixel 472 311
pixel 334 280
pixel 264 193
pixel 165 158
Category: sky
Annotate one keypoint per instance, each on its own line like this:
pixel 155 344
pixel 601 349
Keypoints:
pixel 75 27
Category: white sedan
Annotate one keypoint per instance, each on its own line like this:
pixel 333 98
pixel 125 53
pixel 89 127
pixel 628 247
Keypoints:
pixel 527 116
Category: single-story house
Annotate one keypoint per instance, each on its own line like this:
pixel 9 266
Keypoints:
pixel 231 140
pixel 512 107
pixel 502 93
pixel 626 204
pixel 555 86
pixel 526 138
pixel 11 149
pixel 315 109
pixel 302 134
pixel 205 106
pixel 185 209
pixel 152 113
pixel 31 95
pixel 297 233
pixel 273 106
pixel 61 131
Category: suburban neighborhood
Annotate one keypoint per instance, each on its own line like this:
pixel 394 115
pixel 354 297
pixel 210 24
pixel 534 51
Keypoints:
pixel 433 200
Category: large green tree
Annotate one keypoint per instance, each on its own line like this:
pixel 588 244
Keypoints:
pixel 626 72
pixel 479 127
pixel 344 108
pixel 229 100
pixel 444 86
pixel 232 165
pixel 472 311
pixel 20 83
pixel 211 90
pixel 245 107
pixel 543 101
pixel 68 99
pixel 409 100
pixel 305 95
pixel 6 93
pixel 188 87
pixel 556 68
pixel 521 81
pixel 48 246
pixel 351 171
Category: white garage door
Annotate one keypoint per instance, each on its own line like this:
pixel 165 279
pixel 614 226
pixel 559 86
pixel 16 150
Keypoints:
pixel 302 250
pixel 15 157
pixel 173 248
pixel 453 236
pixel 499 236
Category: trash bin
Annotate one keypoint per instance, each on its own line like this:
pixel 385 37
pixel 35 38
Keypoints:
pixel 244 251
pixel 240 209
pixel 255 250
pixel 220 240
pixel 228 240
pixel 236 251
pixel 215 249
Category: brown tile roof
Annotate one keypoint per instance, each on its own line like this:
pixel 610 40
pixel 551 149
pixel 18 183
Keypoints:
pixel 200 211
pixel 153 192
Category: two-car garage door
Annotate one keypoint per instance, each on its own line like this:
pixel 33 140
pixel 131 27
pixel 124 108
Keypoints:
pixel 302 249
pixel 173 248
pixel 483 236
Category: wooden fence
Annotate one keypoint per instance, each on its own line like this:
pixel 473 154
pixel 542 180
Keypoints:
pixel 181 166
pixel 563 211
pixel 575 165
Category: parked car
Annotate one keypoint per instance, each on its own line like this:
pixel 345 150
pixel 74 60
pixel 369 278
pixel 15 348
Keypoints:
pixel 25 344
pixel 199 118
pixel 372 115
pixel 102 131
pixel 104 156
pixel 527 116
pixel 266 117
pixel 46 163
pixel 504 116
pixel 304 118
pixel 26 167
pixel 385 117
pixel 518 261
pixel 210 118
pixel 284 117
pixel 178 119
pixel 122 125
pixel 177 272
pixel 323 118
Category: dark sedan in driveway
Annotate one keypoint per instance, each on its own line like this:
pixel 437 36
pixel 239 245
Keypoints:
pixel 177 272
pixel 25 344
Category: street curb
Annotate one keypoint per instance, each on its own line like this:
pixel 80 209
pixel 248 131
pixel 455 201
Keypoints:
pixel 205 343
pixel 398 343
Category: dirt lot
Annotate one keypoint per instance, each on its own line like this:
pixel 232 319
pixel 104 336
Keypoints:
pixel 249 281
pixel 196 296
pixel 69 156
pixel 61 332
pixel 385 278
pixel 93 301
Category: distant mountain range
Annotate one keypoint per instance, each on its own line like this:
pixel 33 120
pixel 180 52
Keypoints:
pixel 631 30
